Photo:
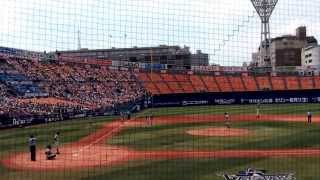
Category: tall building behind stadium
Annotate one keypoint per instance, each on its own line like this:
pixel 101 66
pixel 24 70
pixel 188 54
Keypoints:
pixel 167 57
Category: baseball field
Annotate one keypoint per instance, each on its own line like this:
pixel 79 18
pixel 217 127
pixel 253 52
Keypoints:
pixel 178 143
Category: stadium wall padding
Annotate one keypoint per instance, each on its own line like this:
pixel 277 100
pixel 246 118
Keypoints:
pixel 263 97
pixel 22 121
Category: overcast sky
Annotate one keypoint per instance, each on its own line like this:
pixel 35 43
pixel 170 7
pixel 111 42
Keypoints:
pixel 229 30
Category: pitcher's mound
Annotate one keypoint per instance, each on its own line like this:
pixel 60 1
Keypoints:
pixel 219 132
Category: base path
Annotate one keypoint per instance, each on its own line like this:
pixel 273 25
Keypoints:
pixel 91 151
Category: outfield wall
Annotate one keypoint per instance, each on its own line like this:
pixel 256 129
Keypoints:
pixel 28 120
pixel 264 97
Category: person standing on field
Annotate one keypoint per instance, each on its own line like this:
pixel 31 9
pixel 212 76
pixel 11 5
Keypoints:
pixel 32 146
pixel 49 154
pixel 227 120
pixel 309 116
pixel 56 142
pixel 258 111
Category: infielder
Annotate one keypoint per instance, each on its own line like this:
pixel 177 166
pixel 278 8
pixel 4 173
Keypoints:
pixel 56 142
pixel 309 116
pixel 258 112
pixel 227 122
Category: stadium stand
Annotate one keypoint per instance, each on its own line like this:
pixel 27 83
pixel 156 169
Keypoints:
pixel 292 83
pixel 278 83
pixel 143 77
pixel 21 85
pixel 158 82
pixel 151 87
pixel 236 83
pixel 62 87
pixel 163 88
pixel 155 77
pixel 70 88
pixel 172 83
pixel 223 83
pixel 306 82
pixel 198 84
pixel 210 83
pixel 185 83
pixel 249 83
pixel 3 90
pixel 148 84
pixel 317 82
pixel 264 83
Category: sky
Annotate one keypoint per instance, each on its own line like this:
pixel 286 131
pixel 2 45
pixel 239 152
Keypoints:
pixel 229 30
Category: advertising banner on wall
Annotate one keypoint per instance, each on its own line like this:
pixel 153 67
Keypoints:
pixel 265 97
pixel 155 66
pixel 205 68
pixel 135 65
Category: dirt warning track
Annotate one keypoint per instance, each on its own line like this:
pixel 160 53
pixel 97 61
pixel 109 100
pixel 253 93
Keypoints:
pixel 91 151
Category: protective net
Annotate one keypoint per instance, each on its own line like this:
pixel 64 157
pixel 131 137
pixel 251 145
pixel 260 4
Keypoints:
pixel 159 89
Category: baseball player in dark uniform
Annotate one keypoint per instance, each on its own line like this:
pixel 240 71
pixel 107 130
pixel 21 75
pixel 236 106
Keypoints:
pixel 32 145
pixel 309 115
pixel 56 142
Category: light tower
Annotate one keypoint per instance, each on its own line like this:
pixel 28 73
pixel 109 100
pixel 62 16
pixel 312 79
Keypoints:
pixel 264 9
pixel 79 40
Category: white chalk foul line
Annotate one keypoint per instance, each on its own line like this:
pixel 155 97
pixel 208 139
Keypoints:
pixel 97 140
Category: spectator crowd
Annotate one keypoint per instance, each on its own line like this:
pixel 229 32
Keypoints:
pixel 70 87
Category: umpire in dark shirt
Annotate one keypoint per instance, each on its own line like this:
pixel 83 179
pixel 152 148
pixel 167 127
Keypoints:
pixel 32 145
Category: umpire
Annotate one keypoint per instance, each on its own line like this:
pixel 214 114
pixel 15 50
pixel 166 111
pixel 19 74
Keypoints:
pixel 32 145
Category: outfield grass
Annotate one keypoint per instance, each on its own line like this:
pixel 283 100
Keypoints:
pixel 291 109
pixel 267 135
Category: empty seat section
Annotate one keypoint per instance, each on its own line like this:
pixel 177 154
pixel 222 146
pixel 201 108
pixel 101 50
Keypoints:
pixel 306 82
pixel 223 83
pixel 143 77
pixel 151 88
pixel 249 83
pixel 155 77
pixel 292 83
pixel 163 88
pixel 172 83
pixel 187 87
pixel 264 83
pixel 159 83
pixel 175 87
pixel 236 83
pixel 168 77
pixel 278 83
pixel 197 83
pixel 210 83
pixel 182 77
pixel 316 82
pixel 185 83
